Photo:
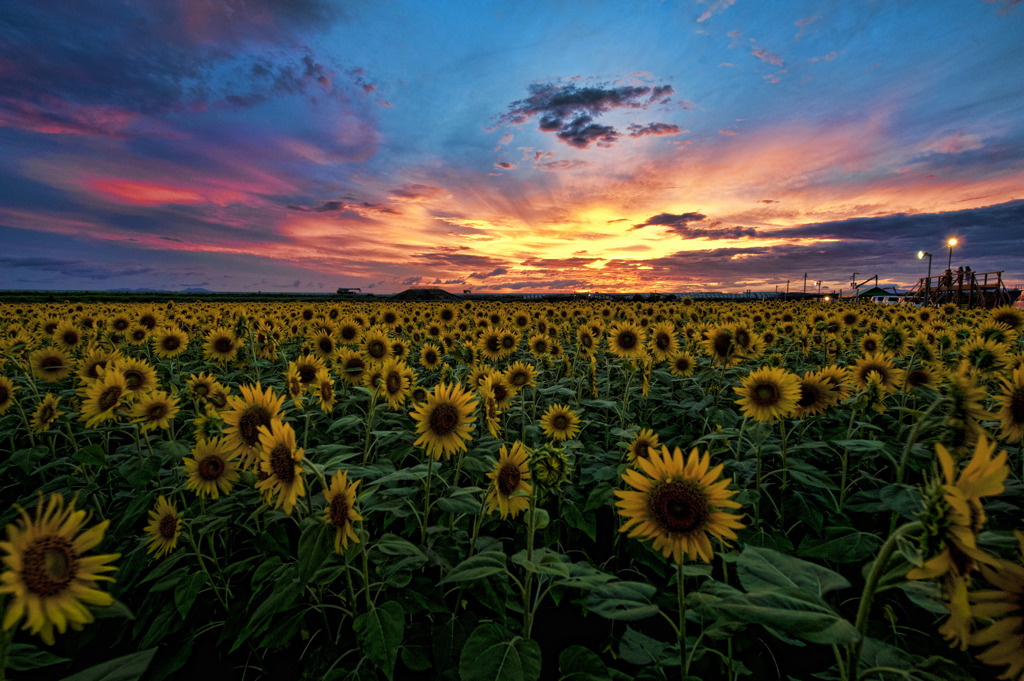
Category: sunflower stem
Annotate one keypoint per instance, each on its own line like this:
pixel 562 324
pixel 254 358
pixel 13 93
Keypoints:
pixel 426 498
pixel 6 636
pixel 684 660
pixel 202 566
pixel 369 426
pixel 870 586
pixel 531 526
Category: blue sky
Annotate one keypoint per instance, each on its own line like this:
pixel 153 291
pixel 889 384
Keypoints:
pixel 506 146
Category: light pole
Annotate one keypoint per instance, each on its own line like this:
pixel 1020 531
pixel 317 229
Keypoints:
pixel 819 287
pixel 928 281
pixel 951 242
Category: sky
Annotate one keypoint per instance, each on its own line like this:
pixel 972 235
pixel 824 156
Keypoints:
pixel 508 146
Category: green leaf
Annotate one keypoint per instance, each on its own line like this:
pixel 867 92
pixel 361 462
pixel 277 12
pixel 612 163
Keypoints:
pixel 640 649
pixel 461 500
pixel 761 568
pixel 380 632
pixel 626 601
pixel 491 655
pixel 23 657
pixel 393 545
pixel 316 544
pixel 585 523
pixel 476 567
pixel 92 454
pixel 847 548
pixel 185 596
pixel 577 663
pixel 545 562
pixel 126 668
pixel 793 612
pixel 139 474
pixel 282 597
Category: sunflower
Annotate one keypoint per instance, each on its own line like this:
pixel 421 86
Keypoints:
pixel 1011 407
pixel 255 409
pixel 837 379
pixel 430 356
pixel 164 528
pixel 870 343
pixel 154 410
pixel 323 388
pixel 953 519
pixel 509 477
pixel 663 341
pixel 492 413
pixel 721 346
pixel 768 393
pixel 67 336
pixel 1005 605
pixel 211 469
pixel 307 367
pixel 399 349
pixel 201 385
pixel 983 356
pixel 443 422
pixel 924 376
pixel 560 423
pixel 103 397
pixel 376 346
pixel 520 375
pixel 966 411
pixel 137 335
pixel 352 366
pixel 681 364
pixel 501 389
pixel 280 462
pixel 46 413
pixel 539 345
pixel 325 345
pixel 396 383
pixel 586 341
pixel 294 388
pixel 7 390
pixel 47 574
pixel 50 364
pixel 880 362
pixel 222 345
pixel 139 376
pixel 169 342
pixel 1010 316
pixel 815 395
pixel 340 511
pixel 150 318
pixel 677 503
pixel 640 446
pixel 626 340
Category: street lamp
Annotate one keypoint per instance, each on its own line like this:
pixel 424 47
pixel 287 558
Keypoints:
pixel 951 242
pixel 928 281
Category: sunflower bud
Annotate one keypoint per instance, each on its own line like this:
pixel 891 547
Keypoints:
pixel 551 466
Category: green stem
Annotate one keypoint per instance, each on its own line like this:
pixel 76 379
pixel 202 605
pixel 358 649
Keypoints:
pixel 426 498
pixel 531 527
pixel 870 586
pixel 202 566
pixel 684 660
pixel 369 426
pixel 6 636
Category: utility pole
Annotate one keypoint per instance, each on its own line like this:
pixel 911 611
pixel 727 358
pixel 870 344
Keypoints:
pixel 805 282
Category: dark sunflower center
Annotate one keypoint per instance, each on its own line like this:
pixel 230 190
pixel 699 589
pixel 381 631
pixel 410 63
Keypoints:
pixel 218 399
pixel 682 364
pixel 679 506
pixel 69 338
pixel 809 395
pixel 870 345
pixel 307 373
pixel 444 419
pixel 348 333
pixel 377 349
pixel 148 321
pixel 586 340
pixel 109 398
pixel 500 392
pixel 916 378
pixel 4 394
pixel 156 411
pixel 223 345
pixel 393 383
pixel 120 324
pixel 45 414
pixel 339 510
pixel 627 340
pixel 519 379
pixel 326 391
pixel 326 345
pixel 249 424
pixel 560 422
pixel 1011 320
pixel 722 344
pixel 742 338
pixel 94 369
pixel 168 527
pixel 662 341
pixel 493 343
pixel 765 394
pixel 1017 406
pixel 211 468
pixel 880 370
pixel 49 565
pixel 640 449
pixel 509 478
pixel 281 463
pixel 201 389
pixel 133 379
pixel 508 342
pixel 430 357
pixel 170 343
pixel 540 346
pixel 52 362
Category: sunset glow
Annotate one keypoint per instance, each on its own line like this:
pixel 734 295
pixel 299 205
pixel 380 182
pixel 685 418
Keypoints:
pixel 510 146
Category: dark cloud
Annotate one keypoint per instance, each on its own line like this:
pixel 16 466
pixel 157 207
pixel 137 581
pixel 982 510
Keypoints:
pixel 505 165
pixel 554 166
pixel 493 273
pixel 636 130
pixel 767 201
pixel 419 192
pixel 557 284
pixel 570 111
pixel 680 225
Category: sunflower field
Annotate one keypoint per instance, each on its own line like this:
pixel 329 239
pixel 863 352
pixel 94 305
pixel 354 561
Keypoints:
pixel 510 491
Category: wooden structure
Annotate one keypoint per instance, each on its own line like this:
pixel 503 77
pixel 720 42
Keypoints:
pixel 962 288
pixel 348 291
